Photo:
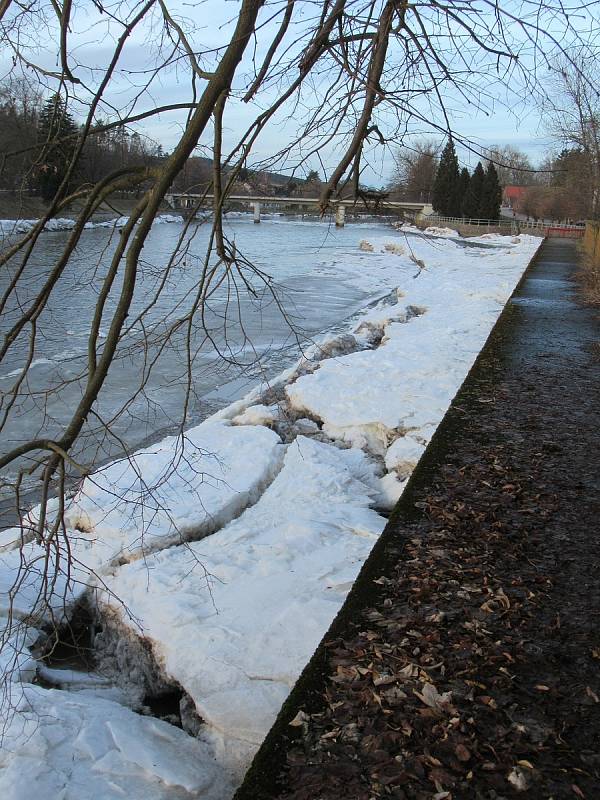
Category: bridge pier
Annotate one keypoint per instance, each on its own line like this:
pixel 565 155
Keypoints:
pixel 256 207
pixel 340 215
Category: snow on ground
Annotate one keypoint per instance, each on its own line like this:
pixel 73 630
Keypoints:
pixel 234 617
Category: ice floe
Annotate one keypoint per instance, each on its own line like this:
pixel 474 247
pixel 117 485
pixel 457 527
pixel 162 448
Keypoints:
pixel 59 745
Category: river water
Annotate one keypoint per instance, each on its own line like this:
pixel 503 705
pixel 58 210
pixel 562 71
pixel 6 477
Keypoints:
pixel 253 326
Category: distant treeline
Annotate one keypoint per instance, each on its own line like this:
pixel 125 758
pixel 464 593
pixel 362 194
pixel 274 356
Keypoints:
pixel 562 187
pixel 38 139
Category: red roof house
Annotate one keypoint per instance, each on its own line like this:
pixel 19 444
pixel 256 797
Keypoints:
pixel 512 194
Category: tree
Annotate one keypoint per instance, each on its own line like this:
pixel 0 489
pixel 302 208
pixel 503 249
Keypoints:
pixel 571 110
pixel 491 195
pixel 416 168
pixel 471 205
pixel 464 181
pixel 446 199
pixel 20 104
pixel 514 167
pixel 338 81
pixel 55 133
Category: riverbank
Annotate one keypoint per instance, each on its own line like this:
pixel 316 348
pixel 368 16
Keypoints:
pixel 464 662
pixel 222 581
pixel 16 207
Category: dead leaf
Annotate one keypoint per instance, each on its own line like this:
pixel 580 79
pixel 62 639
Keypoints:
pixel 518 779
pixel 462 753
pixel 432 698
pixel 299 719
pixel 592 694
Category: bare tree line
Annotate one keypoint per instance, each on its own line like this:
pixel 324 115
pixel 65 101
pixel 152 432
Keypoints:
pixel 564 183
pixel 340 80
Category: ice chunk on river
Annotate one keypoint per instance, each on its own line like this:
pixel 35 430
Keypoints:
pixel 60 745
pixel 182 488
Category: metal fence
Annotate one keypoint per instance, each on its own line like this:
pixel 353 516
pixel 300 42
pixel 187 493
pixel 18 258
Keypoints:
pixel 512 225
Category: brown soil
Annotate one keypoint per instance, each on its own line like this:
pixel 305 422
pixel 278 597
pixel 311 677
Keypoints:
pixel 470 664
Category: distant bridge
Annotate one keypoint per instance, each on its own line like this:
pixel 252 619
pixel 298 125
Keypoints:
pixel 188 200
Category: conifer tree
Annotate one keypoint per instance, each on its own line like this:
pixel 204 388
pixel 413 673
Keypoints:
pixel 471 206
pixel 463 187
pixel 446 186
pixel 491 195
pixel 54 124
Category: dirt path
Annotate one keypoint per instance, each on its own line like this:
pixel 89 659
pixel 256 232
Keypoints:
pixel 466 663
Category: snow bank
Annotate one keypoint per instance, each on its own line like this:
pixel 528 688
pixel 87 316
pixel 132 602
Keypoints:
pixel 59 745
pixel 179 489
pixel 371 397
pixel 20 226
pixel 235 617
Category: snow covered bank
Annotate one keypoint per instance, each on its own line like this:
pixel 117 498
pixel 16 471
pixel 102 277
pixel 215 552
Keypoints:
pixel 19 226
pixel 179 489
pixel 235 617
pixel 232 617
pixel 391 399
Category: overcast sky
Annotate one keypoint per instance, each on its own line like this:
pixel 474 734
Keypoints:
pixel 510 120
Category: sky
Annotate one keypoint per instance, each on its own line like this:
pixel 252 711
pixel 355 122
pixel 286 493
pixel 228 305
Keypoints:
pixel 486 113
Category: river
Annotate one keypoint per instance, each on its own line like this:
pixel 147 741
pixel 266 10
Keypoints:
pixel 248 332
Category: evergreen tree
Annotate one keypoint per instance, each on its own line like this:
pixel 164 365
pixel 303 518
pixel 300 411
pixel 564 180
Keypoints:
pixel 491 197
pixel 471 205
pixel 463 187
pixel 55 123
pixel 446 185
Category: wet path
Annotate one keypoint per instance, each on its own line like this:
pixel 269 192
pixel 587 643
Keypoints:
pixel 465 661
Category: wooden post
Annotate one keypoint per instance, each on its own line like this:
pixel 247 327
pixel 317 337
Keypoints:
pixel 256 207
pixel 340 214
